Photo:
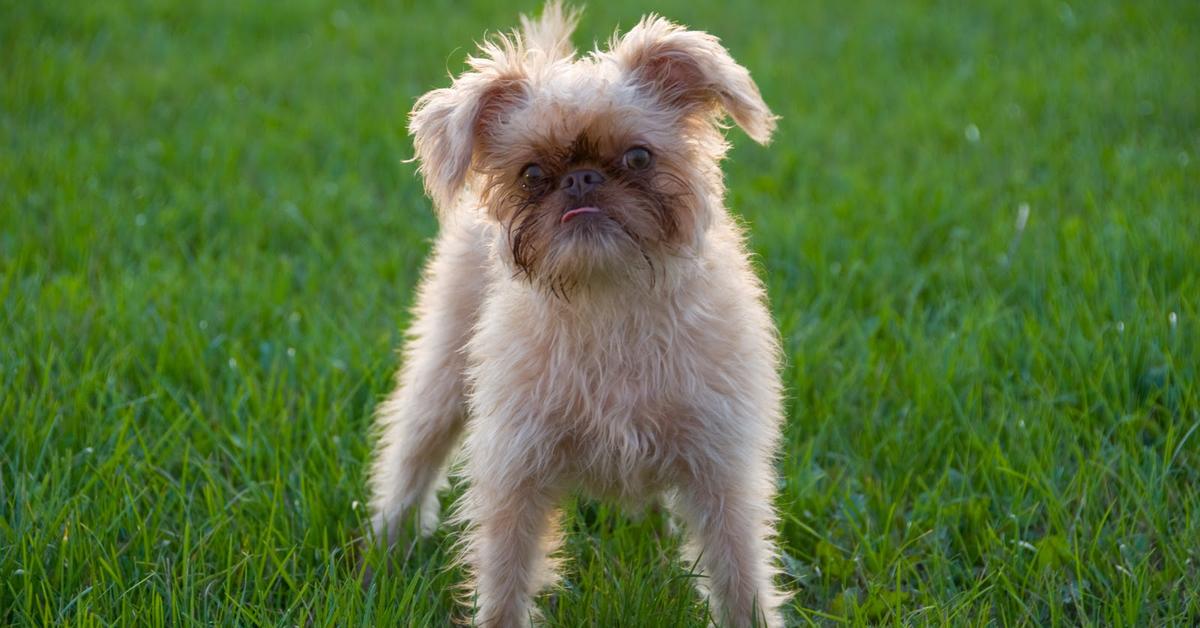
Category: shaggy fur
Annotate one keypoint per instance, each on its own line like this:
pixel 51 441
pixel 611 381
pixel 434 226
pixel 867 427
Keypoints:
pixel 609 338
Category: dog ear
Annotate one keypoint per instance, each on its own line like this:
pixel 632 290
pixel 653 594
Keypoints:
pixel 450 125
pixel 447 124
pixel 691 70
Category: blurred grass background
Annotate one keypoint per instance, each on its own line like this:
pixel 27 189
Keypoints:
pixel 208 239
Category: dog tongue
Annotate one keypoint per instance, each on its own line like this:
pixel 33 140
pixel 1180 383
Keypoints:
pixel 577 211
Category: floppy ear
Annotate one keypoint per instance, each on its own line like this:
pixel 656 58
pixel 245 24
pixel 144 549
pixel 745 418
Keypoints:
pixel 447 124
pixel 691 70
pixel 450 125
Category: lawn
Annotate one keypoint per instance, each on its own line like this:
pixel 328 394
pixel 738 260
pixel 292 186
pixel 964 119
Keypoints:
pixel 979 225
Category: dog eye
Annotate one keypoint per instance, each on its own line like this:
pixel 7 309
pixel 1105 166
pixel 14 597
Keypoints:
pixel 531 175
pixel 637 158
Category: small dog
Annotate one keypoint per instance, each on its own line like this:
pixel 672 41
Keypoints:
pixel 589 319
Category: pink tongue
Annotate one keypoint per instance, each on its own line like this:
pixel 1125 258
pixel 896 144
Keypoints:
pixel 577 211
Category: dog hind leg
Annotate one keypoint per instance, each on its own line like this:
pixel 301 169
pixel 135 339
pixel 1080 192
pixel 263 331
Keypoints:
pixel 420 421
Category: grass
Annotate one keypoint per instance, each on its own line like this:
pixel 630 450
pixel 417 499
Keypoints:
pixel 209 236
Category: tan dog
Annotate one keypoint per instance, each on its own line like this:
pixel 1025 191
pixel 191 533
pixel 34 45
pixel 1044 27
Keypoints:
pixel 589 319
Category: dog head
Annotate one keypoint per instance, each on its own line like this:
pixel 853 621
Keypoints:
pixel 595 167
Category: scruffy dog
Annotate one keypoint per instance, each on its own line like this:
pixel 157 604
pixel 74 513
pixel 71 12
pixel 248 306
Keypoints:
pixel 589 319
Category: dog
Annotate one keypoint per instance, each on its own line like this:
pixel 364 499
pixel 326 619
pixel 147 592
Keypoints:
pixel 589 319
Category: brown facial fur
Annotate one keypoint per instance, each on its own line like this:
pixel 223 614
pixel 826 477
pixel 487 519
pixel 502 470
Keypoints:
pixel 644 213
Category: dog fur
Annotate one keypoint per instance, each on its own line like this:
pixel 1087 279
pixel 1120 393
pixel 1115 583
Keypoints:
pixel 627 353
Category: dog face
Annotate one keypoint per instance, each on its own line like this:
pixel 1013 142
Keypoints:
pixel 594 167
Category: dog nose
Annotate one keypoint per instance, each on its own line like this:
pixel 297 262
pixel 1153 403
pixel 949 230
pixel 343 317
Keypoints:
pixel 580 182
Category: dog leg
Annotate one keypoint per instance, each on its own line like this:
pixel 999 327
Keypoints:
pixel 420 423
pixel 512 532
pixel 729 528
pixel 421 419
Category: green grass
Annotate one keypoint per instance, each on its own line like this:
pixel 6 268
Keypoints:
pixel 209 238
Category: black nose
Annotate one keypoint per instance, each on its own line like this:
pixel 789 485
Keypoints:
pixel 579 182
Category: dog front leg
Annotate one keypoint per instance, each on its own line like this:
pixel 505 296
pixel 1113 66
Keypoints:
pixel 512 530
pixel 728 523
